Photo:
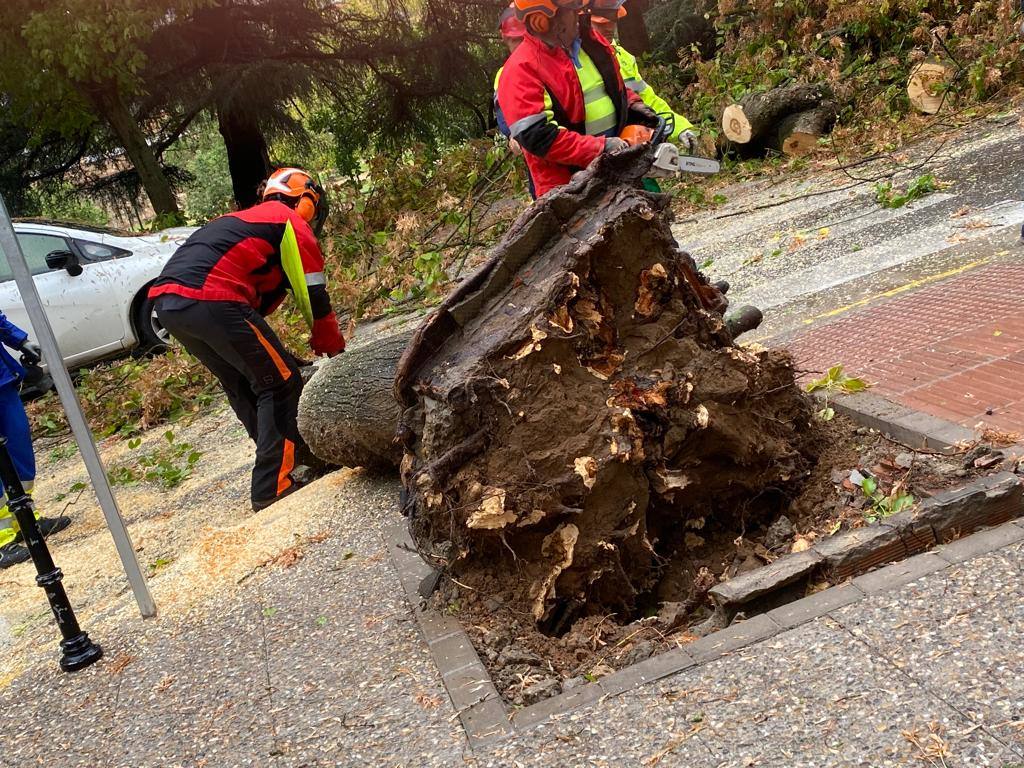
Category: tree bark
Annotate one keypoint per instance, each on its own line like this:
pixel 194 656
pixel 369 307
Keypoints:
pixel 347 413
pixel 151 174
pixel 633 29
pixel 576 413
pixel 797 134
pixel 248 155
pixel 749 121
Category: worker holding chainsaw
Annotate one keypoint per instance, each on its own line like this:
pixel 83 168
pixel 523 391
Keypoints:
pixel 214 294
pixel 604 17
pixel 562 93
pixel 14 426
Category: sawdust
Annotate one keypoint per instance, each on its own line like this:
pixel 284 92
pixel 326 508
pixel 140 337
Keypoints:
pixel 196 542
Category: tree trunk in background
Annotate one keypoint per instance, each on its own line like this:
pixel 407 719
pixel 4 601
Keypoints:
pixel 136 147
pixel 248 156
pixel 633 30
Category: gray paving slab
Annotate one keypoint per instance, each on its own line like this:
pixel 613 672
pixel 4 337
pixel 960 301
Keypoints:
pixel 807 697
pixel 960 633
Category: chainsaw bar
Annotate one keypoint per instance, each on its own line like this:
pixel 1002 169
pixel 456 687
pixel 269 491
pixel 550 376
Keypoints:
pixel 668 162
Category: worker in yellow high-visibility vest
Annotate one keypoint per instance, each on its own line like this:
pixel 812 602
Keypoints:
pixel 604 17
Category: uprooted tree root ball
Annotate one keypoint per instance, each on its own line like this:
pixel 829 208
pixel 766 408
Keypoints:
pixel 577 418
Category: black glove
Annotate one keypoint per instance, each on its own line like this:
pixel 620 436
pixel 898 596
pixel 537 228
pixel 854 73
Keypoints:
pixel 640 114
pixel 31 354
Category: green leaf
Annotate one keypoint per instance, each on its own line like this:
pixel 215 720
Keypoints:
pixel 853 385
pixel 869 486
pixel 826 414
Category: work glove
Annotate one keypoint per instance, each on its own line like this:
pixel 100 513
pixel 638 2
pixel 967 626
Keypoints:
pixel 688 142
pixel 31 352
pixel 614 144
pixel 640 114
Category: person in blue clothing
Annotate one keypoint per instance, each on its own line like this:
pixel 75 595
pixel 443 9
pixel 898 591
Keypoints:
pixel 14 426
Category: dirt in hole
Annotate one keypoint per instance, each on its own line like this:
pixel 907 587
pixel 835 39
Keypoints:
pixel 528 665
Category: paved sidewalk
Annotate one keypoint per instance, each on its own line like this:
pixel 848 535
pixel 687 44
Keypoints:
pixel 954 348
pixel 322 664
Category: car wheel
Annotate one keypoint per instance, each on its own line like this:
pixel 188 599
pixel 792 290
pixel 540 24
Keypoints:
pixel 153 337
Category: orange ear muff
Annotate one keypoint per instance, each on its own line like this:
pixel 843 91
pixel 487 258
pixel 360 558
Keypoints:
pixel 306 208
pixel 538 22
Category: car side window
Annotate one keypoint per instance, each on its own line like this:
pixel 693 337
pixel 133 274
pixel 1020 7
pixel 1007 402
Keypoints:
pixel 35 248
pixel 99 252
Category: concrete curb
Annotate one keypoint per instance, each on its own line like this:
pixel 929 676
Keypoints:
pixel 485 718
pixel 915 429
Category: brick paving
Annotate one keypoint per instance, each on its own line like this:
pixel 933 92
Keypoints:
pixel 954 349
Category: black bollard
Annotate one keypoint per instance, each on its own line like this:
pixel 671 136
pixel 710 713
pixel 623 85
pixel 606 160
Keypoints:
pixel 77 650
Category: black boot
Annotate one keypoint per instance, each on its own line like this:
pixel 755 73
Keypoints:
pixel 12 554
pixel 48 526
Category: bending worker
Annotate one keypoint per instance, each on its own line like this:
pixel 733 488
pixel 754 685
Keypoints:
pixel 562 94
pixel 213 295
pixel 14 426
pixel 604 16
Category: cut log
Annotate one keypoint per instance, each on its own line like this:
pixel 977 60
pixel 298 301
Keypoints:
pixel 749 120
pixel 347 414
pixel 797 134
pixel 576 413
pixel 928 85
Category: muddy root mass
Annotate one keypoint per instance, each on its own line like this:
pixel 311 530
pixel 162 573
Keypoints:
pixel 577 420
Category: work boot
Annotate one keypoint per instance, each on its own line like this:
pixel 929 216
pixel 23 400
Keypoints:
pixel 746 319
pixel 49 526
pixel 260 505
pixel 12 554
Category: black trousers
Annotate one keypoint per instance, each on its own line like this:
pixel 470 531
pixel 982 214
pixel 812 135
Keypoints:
pixel 259 375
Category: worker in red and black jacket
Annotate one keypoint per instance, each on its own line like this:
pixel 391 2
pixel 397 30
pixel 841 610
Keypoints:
pixel 562 93
pixel 214 293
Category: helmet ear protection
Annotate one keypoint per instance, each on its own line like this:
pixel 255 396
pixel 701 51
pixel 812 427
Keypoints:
pixel 306 207
pixel 538 23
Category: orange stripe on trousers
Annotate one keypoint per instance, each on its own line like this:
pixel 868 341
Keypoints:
pixel 284 482
pixel 282 367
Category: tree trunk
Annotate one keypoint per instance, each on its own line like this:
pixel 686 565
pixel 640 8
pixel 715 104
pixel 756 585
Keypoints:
pixel 576 413
pixel 633 29
pixel 797 135
pixel 248 156
pixel 347 413
pixel 750 120
pixel 928 85
pixel 151 174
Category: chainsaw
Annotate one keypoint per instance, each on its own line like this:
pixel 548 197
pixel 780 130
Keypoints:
pixel 668 161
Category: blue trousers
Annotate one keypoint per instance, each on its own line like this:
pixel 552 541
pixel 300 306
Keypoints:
pixel 14 426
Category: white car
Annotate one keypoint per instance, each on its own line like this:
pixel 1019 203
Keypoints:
pixel 93 284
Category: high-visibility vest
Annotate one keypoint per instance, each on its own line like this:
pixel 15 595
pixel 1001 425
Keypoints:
pixel 600 108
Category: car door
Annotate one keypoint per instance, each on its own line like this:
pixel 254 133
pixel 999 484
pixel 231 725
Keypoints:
pixel 84 320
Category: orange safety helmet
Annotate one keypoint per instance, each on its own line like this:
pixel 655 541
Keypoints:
pixel 606 11
pixel 537 14
pixel 297 189
pixel 510 26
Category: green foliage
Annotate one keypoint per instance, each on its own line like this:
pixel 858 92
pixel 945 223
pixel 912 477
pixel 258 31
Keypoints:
pixel 63 202
pixel 167 465
pixel 882 504
pixel 888 197
pixel 202 155
pixel 835 381
pixel 125 397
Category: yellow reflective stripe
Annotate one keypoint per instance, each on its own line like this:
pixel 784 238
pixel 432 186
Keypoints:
pixel 600 109
pixel 497 77
pixel 291 263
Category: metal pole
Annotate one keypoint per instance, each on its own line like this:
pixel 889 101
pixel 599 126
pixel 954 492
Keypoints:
pixel 73 409
pixel 77 650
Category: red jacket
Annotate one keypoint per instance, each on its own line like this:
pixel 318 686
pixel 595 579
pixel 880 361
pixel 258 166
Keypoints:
pixel 553 132
pixel 238 258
